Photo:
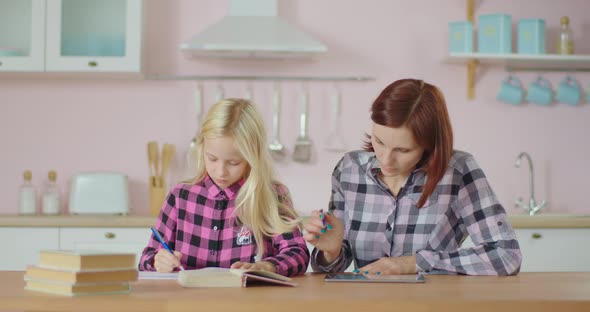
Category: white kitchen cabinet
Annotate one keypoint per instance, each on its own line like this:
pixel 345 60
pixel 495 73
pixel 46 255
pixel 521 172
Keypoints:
pixel 93 35
pixel 108 239
pixel 552 250
pixel 71 35
pixel 22 35
pixel 21 245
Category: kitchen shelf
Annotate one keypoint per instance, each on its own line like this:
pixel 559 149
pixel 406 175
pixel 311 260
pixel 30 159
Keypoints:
pixel 260 78
pixel 514 62
pixel 530 62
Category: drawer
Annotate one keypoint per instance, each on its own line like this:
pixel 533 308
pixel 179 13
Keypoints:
pixel 108 239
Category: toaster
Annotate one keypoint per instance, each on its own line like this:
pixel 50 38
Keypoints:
pixel 99 193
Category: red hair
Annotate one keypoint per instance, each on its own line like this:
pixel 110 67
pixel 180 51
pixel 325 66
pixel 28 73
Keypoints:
pixel 420 107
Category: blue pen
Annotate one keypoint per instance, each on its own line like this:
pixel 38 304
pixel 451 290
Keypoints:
pixel 157 235
pixel 323 217
pixel 324 222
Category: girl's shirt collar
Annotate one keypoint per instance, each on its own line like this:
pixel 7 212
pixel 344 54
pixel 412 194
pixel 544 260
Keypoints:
pixel 215 191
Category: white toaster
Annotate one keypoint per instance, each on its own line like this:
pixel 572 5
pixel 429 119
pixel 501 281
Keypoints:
pixel 99 193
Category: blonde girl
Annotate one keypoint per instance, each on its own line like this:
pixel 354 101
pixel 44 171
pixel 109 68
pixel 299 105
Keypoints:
pixel 233 214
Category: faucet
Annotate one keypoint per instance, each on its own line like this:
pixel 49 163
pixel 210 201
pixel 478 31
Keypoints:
pixel 532 206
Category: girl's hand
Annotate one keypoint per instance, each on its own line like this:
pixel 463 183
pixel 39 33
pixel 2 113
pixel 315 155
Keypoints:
pixel 262 265
pixel 327 238
pixel 166 262
pixel 391 265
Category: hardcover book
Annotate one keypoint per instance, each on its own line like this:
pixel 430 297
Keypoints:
pixel 69 289
pixel 85 260
pixel 121 275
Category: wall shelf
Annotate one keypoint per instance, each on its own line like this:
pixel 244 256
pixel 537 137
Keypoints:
pixel 516 62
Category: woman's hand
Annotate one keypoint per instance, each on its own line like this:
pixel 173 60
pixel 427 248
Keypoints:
pixel 166 262
pixel 262 265
pixel 391 265
pixel 327 238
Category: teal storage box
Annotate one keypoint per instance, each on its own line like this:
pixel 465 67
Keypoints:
pixel 531 36
pixel 495 33
pixel 461 37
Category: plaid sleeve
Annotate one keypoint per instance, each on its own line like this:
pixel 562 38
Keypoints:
pixel 293 256
pixel 496 250
pixel 166 226
pixel 339 265
pixel 336 207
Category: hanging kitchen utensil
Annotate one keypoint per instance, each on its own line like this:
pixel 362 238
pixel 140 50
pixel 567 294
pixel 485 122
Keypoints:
pixel 335 141
pixel 190 154
pixel 277 150
pixel 302 152
pixel 219 92
pixel 249 93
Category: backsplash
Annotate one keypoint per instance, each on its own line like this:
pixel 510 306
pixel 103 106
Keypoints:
pixel 93 124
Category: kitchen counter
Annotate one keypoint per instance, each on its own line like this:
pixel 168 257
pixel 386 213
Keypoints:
pixel 518 221
pixel 550 221
pixel 540 292
pixel 97 221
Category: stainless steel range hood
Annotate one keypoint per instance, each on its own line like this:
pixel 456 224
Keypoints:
pixel 252 29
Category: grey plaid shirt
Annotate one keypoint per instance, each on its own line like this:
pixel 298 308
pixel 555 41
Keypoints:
pixel 378 224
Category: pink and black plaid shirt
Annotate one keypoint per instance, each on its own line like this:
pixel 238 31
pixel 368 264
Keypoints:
pixel 198 221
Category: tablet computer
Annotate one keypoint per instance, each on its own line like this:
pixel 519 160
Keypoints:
pixel 361 278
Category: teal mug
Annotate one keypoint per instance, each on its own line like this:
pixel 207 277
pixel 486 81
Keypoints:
pixel 511 91
pixel 569 91
pixel 540 92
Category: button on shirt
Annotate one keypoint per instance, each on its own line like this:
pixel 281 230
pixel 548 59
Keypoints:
pixel 378 224
pixel 198 221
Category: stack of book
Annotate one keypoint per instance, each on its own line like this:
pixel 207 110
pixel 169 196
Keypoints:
pixel 75 272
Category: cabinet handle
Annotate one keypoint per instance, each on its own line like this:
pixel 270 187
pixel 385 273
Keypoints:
pixel 92 64
pixel 109 235
pixel 537 235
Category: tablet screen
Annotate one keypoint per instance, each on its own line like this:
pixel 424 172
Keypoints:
pixel 351 277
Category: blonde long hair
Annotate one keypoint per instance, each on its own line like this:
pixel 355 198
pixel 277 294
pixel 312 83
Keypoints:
pixel 257 202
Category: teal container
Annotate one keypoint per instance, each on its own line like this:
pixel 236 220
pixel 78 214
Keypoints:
pixel 461 37
pixel 495 34
pixel 531 36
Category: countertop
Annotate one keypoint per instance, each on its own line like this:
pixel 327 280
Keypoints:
pixel 517 221
pixel 77 221
pixel 539 292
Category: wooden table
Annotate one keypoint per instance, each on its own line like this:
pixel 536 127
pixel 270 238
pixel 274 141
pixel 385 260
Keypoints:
pixel 536 292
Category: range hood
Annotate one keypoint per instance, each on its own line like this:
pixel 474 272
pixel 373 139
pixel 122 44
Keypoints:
pixel 252 29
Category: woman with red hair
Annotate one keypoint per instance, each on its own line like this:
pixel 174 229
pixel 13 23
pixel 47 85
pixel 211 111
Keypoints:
pixel 407 201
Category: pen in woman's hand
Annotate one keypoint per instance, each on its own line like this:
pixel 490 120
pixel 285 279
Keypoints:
pixel 323 217
pixel 324 221
pixel 157 235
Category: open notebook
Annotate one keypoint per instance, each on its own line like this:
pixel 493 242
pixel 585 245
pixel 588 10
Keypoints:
pixel 221 277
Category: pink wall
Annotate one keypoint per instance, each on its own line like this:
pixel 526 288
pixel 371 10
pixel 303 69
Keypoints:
pixel 78 125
